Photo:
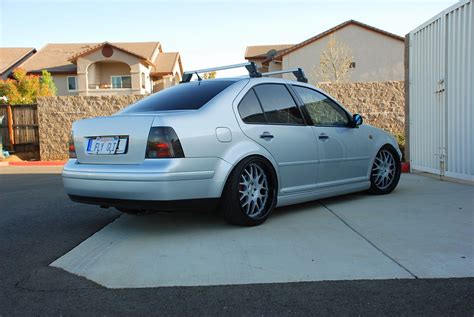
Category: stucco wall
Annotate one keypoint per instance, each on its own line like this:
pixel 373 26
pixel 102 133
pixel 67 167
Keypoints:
pixel 135 64
pixel 377 57
pixel 61 84
pixel 107 70
pixel 93 76
pixel 381 104
pixel 56 115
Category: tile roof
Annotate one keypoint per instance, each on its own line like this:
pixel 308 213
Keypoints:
pixel 94 48
pixel 56 57
pixel 9 56
pixel 260 51
pixel 165 63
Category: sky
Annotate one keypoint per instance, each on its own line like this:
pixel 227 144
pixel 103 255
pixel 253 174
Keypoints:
pixel 206 33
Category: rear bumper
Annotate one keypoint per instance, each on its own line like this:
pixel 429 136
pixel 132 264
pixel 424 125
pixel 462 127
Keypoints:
pixel 154 180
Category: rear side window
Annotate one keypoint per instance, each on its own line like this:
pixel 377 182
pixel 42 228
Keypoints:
pixel 188 96
pixel 250 110
pixel 278 105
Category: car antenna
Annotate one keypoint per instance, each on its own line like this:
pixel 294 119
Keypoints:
pixel 199 77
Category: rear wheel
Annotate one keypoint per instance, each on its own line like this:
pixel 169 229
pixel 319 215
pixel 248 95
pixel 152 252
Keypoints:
pixel 250 193
pixel 385 172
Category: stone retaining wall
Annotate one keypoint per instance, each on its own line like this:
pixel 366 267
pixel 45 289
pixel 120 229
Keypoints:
pixel 56 115
pixel 380 103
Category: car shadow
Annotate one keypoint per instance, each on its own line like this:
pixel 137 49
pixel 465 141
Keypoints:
pixel 173 223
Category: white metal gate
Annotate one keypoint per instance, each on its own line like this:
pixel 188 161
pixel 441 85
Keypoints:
pixel 441 93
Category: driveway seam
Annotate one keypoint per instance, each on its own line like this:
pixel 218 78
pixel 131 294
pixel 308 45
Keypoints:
pixel 369 242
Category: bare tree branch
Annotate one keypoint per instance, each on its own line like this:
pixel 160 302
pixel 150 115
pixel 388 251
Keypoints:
pixel 335 61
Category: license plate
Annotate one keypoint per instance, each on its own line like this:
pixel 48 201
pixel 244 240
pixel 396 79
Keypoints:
pixel 108 145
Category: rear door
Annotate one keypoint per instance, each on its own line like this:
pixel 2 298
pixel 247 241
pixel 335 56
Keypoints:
pixel 343 150
pixel 271 118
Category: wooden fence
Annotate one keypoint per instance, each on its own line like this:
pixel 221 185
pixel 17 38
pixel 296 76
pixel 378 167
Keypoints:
pixel 19 128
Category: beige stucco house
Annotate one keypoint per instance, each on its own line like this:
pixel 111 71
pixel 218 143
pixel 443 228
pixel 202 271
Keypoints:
pixel 377 55
pixel 11 57
pixel 92 69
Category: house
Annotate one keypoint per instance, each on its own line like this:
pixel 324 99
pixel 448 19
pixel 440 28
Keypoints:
pixel 259 53
pixel 86 69
pixel 11 57
pixel 377 54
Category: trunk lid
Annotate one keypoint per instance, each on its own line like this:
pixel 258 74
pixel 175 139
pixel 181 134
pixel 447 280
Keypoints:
pixel 132 132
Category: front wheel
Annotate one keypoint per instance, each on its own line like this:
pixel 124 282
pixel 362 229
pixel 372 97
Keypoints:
pixel 250 193
pixel 385 172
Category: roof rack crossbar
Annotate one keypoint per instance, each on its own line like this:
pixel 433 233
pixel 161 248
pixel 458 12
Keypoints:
pixel 298 72
pixel 250 66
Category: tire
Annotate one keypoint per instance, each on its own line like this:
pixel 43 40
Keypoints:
pixel 249 195
pixel 385 171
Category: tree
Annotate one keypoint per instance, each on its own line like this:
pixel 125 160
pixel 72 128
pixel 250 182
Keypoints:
pixel 48 86
pixel 209 75
pixel 24 89
pixel 335 61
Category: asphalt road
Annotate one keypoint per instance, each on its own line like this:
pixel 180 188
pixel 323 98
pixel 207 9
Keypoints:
pixel 38 224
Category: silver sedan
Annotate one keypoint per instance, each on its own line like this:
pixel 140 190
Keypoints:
pixel 244 145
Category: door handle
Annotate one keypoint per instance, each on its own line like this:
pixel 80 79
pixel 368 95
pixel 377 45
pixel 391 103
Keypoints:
pixel 323 136
pixel 266 135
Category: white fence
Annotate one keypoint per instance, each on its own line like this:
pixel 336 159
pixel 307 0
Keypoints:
pixel 441 93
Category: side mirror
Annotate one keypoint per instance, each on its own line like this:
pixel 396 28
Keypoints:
pixel 357 120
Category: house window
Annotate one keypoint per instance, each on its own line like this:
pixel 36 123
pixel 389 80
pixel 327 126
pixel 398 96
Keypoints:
pixel 121 82
pixel 72 83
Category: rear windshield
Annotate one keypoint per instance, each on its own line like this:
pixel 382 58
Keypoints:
pixel 188 96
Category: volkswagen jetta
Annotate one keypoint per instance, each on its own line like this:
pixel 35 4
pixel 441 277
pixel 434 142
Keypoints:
pixel 248 144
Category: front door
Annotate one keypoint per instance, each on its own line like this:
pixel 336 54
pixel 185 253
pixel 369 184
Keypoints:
pixel 343 151
pixel 272 119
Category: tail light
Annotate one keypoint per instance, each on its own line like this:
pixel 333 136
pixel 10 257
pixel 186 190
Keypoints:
pixel 71 147
pixel 163 143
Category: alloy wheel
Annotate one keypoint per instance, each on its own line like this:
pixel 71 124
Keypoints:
pixel 383 170
pixel 253 190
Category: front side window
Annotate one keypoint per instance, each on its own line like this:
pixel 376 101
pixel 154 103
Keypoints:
pixel 71 83
pixel 250 110
pixel 322 110
pixel 121 82
pixel 188 96
pixel 278 105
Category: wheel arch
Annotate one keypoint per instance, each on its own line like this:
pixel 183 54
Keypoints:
pixel 382 139
pixel 268 159
pixel 379 147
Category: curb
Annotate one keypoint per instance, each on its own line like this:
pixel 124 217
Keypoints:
pixel 33 163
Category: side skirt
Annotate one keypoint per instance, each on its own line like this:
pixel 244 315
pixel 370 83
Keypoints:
pixel 285 200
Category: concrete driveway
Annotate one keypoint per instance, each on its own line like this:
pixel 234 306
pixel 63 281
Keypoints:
pixel 424 229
